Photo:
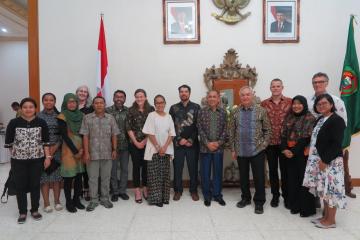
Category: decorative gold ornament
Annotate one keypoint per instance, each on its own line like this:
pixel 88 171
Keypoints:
pixel 231 10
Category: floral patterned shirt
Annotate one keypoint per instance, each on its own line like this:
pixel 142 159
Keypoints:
pixel 27 139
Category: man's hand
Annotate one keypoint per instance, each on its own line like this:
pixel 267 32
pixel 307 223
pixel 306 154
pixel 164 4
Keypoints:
pixel 183 142
pixel 86 157
pixel 113 154
pixel 233 155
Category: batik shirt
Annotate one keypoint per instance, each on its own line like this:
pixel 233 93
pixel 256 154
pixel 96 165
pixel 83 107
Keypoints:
pixel 185 119
pixel 212 128
pixel 276 114
pixel 249 130
pixel 120 116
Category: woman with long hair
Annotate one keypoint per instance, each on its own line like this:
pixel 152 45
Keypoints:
pixel 137 115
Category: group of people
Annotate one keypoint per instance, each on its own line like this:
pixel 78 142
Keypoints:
pixel 87 144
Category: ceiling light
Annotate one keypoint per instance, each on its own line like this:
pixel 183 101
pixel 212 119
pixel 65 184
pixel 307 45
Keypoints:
pixel 4 30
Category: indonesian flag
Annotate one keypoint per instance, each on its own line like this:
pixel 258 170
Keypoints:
pixel 103 83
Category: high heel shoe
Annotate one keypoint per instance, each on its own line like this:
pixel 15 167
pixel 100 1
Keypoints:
pixel 138 198
pixel 145 193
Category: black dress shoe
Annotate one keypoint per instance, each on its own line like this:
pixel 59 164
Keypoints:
pixel 165 202
pixel 259 209
pixel 243 203
pixel 159 204
pixel 78 204
pixel 114 198
pixel 220 201
pixel 287 205
pixel 70 207
pixel 207 203
pixel 304 215
pixel 294 211
pixel 124 196
pixel 274 202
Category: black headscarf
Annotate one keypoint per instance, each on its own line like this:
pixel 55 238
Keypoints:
pixel 303 102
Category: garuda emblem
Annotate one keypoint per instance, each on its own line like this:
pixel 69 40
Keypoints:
pixel 231 10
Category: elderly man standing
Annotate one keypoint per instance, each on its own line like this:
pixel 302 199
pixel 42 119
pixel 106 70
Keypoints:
pixel 277 107
pixel 250 132
pixel 212 130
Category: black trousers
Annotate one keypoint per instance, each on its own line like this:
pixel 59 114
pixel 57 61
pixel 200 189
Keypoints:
pixel 139 166
pixel 68 183
pixel 276 158
pixel 299 199
pixel 192 160
pixel 27 175
pixel 257 163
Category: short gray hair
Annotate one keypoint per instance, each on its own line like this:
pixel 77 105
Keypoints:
pixel 246 87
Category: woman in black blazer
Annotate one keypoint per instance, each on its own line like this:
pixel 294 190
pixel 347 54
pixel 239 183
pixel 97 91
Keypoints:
pixel 324 174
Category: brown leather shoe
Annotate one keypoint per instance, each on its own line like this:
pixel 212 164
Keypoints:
pixel 195 196
pixel 177 196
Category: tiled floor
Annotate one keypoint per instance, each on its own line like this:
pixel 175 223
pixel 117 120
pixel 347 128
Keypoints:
pixel 183 220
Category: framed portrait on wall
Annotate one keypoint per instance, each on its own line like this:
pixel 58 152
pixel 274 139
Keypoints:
pixel 181 21
pixel 281 20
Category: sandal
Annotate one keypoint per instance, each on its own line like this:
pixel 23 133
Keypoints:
pixel 145 193
pixel 138 198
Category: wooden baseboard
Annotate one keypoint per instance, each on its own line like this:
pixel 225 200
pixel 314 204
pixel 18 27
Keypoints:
pixel 355 182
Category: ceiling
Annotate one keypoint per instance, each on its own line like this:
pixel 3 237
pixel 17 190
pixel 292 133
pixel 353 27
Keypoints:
pixel 13 18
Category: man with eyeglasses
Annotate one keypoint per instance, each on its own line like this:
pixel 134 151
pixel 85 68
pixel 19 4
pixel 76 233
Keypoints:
pixel 320 81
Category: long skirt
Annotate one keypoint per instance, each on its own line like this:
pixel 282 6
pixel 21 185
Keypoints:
pixel 159 179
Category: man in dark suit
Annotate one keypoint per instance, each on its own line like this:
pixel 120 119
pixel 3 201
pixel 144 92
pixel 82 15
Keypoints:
pixel 280 25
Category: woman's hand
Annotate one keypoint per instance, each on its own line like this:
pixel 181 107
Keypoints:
pixel 288 153
pixel 47 162
pixel 322 165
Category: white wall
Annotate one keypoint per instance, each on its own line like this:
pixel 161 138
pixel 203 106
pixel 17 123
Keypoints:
pixel 14 78
pixel 138 58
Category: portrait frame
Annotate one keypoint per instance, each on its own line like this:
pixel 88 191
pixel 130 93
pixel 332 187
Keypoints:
pixel 281 21
pixel 181 21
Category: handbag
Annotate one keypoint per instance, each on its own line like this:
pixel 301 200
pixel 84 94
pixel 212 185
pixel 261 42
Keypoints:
pixel 9 188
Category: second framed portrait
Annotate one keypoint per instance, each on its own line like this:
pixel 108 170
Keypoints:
pixel 281 21
pixel 181 21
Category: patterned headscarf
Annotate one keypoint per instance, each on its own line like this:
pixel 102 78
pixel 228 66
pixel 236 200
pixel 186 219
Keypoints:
pixel 298 125
pixel 73 117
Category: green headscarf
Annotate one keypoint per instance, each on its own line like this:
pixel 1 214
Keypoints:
pixel 73 118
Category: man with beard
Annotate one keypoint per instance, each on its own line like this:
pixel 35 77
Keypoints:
pixel 186 142
pixel 119 112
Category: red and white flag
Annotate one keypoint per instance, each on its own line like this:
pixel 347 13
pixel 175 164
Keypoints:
pixel 103 83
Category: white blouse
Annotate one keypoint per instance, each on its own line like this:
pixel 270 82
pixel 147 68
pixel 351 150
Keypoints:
pixel 161 127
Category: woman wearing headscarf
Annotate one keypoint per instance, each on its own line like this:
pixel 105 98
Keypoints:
pixel 295 138
pixel 69 121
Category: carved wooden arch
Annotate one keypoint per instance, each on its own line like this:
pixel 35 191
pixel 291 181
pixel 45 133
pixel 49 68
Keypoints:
pixel 230 76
